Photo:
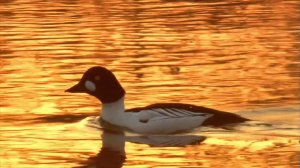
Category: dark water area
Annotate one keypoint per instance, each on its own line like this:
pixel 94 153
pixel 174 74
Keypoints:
pixel 240 56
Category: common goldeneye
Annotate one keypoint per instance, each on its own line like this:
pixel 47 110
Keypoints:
pixel 161 118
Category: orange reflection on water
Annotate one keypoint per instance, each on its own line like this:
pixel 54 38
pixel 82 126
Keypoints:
pixel 236 55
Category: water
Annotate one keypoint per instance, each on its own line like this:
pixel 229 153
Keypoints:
pixel 238 56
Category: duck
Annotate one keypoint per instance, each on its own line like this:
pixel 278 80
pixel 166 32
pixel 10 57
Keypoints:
pixel 159 118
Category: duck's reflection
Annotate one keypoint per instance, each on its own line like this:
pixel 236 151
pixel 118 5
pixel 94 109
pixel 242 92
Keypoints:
pixel 112 153
pixel 166 140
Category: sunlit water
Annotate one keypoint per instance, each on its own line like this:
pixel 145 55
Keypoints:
pixel 238 56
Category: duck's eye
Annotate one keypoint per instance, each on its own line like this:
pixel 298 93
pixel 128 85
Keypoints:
pixel 97 78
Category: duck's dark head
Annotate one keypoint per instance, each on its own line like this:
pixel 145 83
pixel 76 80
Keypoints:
pixel 101 83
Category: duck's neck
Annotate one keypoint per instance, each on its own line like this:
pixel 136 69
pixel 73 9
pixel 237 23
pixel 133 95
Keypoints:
pixel 114 112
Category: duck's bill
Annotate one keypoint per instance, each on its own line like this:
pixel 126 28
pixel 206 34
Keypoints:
pixel 76 89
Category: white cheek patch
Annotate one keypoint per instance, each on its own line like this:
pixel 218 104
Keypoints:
pixel 90 86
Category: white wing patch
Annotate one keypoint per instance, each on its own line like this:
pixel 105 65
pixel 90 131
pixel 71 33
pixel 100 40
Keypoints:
pixel 169 113
pixel 174 112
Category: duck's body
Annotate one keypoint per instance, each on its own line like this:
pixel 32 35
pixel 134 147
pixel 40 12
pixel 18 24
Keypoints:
pixel 152 120
pixel 163 118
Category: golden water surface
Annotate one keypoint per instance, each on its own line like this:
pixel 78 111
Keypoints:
pixel 240 56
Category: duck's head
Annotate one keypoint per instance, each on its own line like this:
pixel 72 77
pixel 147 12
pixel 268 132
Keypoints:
pixel 101 83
